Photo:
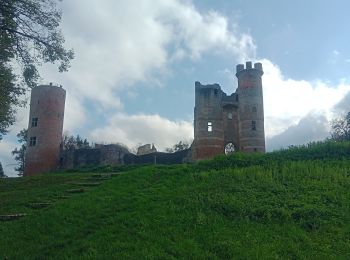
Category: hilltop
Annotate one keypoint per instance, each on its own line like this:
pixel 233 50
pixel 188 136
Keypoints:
pixel 293 203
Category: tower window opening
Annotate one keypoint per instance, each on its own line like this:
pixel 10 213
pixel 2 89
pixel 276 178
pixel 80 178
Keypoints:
pixel 210 127
pixel 34 121
pixel 215 92
pixel 254 109
pixel 254 125
pixel 32 141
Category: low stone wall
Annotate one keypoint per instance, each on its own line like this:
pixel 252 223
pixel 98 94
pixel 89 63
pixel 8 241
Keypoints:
pixel 70 159
pixel 158 158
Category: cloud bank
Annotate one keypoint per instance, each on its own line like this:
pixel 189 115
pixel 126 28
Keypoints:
pixel 139 129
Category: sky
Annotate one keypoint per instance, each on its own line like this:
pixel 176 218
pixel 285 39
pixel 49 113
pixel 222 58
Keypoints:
pixel 136 61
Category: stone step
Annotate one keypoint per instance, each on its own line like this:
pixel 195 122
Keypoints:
pixel 81 190
pixel 12 216
pixel 87 184
pixel 39 205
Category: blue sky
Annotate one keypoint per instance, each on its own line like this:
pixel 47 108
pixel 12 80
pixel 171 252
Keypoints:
pixel 132 80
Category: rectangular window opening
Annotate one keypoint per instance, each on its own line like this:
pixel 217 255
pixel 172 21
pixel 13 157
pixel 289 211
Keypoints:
pixel 34 121
pixel 210 127
pixel 253 125
pixel 32 141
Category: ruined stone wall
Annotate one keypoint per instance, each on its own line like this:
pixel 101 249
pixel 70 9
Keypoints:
pixel 109 155
pixel 100 155
pixel 146 149
pixel 159 158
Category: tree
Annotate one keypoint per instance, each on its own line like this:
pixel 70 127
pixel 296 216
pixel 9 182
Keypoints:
pixel 20 153
pixel 2 174
pixel 29 36
pixel 341 128
pixel 70 142
pixel 182 145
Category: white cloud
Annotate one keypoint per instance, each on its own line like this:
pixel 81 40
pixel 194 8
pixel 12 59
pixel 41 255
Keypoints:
pixel 75 113
pixel 313 127
pixel 287 101
pixel 119 43
pixel 134 129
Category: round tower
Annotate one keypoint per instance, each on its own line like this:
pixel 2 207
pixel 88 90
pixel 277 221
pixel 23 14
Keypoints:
pixel 44 129
pixel 208 122
pixel 251 108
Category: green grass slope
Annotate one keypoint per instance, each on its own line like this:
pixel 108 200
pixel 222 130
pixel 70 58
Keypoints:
pixel 241 206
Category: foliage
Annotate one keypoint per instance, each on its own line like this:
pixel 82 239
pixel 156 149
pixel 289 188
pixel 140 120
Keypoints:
pixel 2 174
pixel 296 208
pixel 70 142
pixel 29 36
pixel 325 150
pixel 19 154
pixel 341 128
pixel 182 145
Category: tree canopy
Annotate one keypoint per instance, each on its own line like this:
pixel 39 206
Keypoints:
pixel 341 128
pixel 182 145
pixel 29 36
pixel 69 142
pixel 19 154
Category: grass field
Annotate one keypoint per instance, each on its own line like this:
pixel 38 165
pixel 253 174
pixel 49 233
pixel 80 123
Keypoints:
pixel 290 204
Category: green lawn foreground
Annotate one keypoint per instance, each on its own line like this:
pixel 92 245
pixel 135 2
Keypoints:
pixel 291 209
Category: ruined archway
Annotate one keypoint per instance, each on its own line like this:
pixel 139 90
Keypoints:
pixel 229 148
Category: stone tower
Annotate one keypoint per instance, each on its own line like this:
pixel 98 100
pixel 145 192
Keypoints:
pixel 208 121
pixel 234 122
pixel 44 129
pixel 251 108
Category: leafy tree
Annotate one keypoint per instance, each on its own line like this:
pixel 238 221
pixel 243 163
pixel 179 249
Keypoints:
pixel 19 154
pixel 341 128
pixel 182 145
pixel 2 174
pixel 29 36
pixel 70 142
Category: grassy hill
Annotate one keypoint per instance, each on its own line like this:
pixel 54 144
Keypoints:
pixel 289 204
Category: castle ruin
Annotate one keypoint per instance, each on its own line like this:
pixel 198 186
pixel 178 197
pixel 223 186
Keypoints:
pixel 222 124
pixel 225 123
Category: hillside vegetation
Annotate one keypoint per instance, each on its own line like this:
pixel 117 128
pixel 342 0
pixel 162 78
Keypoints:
pixel 293 203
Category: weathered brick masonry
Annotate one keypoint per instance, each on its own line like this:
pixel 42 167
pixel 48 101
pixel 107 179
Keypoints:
pixel 44 129
pixel 222 121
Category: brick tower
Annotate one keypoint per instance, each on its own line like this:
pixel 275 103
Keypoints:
pixel 44 129
pixel 230 122
pixel 251 108
pixel 208 121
